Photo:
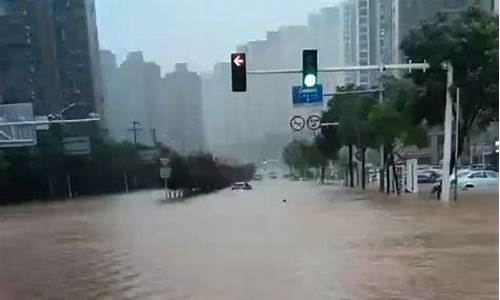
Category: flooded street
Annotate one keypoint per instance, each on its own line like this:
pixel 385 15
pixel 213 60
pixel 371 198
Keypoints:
pixel 323 243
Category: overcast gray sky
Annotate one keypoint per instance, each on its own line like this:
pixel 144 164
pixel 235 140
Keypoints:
pixel 200 32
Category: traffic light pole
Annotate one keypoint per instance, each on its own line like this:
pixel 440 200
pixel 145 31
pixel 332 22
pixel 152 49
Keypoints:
pixel 448 128
pixel 408 66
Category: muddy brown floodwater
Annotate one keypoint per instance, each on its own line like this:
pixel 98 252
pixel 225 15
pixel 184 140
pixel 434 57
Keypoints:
pixel 323 243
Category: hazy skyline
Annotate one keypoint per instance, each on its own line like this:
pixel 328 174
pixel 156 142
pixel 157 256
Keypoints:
pixel 200 33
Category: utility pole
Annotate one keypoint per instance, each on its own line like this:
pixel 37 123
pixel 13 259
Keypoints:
pixel 153 133
pixel 381 148
pixel 448 128
pixel 380 100
pixel 135 128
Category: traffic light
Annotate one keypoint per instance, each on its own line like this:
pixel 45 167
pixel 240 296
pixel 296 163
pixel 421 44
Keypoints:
pixel 309 68
pixel 239 72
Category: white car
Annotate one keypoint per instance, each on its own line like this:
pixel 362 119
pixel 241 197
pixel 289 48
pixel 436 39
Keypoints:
pixel 241 186
pixel 474 179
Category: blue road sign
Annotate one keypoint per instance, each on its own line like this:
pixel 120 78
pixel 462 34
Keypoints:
pixel 307 96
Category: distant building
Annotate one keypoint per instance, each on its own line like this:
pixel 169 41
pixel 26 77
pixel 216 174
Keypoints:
pixel 367 36
pixel 49 55
pixel 350 40
pixel 184 132
pixel 132 92
pixel 28 66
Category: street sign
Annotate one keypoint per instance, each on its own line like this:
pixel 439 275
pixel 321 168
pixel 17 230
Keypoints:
pixel 488 149
pixel 239 72
pixel 42 126
pixel 165 172
pixel 13 134
pixel 149 156
pixel 307 96
pixel 297 123
pixel 314 122
pixel 79 145
pixel 164 161
pixel 309 68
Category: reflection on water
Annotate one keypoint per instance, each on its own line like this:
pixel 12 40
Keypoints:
pixel 320 244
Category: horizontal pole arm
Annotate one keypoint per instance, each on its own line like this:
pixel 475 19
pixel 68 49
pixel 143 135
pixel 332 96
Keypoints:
pixel 49 122
pixel 352 92
pixel 409 66
pixel 330 124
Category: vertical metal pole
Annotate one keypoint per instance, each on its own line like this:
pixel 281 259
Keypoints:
pixel 457 119
pixel 70 190
pixel 134 126
pixel 471 153
pixel 153 133
pixel 363 169
pixel 381 148
pixel 483 156
pixel 448 120
pixel 125 180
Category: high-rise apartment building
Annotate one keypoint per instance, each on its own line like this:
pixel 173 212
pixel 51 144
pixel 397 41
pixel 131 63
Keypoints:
pixel 185 110
pixel 49 55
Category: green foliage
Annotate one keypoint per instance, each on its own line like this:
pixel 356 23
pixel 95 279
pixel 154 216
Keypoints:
pixel 301 155
pixel 351 111
pixel 40 172
pixel 470 43
pixel 392 120
pixel 293 155
pixel 202 172
pixel 313 156
pixel 4 164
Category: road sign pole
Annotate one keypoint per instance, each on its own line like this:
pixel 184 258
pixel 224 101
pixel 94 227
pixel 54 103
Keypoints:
pixel 68 181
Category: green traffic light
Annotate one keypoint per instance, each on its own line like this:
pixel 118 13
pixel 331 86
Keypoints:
pixel 310 80
pixel 309 68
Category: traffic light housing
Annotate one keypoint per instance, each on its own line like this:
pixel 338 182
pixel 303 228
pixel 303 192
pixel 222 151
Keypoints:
pixel 309 68
pixel 239 72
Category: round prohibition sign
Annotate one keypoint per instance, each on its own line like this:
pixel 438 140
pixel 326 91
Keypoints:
pixel 314 122
pixel 297 123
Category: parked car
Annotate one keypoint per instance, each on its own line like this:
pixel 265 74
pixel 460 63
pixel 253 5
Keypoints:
pixel 481 167
pixel 241 186
pixel 475 179
pixel 427 176
pixel 257 177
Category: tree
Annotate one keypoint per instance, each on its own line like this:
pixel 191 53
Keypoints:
pixel 351 112
pixel 301 155
pixel 390 123
pixel 293 156
pixel 314 157
pixel 470 43
pixel 4 164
